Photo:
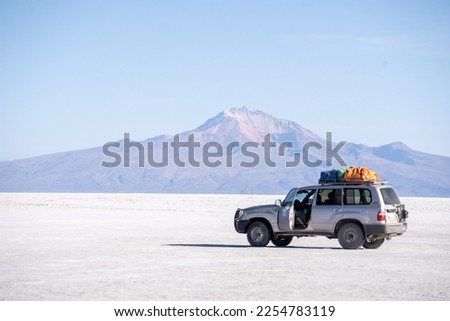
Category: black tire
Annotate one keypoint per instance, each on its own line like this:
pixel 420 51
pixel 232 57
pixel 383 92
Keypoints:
pixel 282 241
pixel 351 236
pixel 258 234
pixel 373 245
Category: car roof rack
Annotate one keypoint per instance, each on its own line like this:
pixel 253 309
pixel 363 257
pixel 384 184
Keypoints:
pixel 367 182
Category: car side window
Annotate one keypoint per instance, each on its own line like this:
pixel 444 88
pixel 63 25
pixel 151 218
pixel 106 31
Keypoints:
pixel 305 196
pixel 357 196
pixel 329 196
pixel 389 196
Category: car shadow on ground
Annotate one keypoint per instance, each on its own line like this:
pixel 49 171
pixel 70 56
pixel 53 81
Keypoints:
pixel 208 245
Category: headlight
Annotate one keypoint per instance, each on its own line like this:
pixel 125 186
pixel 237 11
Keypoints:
pixel 238 214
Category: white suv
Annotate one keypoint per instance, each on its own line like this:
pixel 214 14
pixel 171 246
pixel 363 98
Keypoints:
pixel 357 214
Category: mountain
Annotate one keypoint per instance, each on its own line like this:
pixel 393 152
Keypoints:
pixel 237 151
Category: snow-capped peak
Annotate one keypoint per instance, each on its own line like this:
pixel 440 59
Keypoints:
pixel 257 120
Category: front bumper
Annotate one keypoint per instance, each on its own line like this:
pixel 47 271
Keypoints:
pixel 241 226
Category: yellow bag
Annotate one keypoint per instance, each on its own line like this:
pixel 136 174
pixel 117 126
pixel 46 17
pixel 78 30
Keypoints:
pixel 360 174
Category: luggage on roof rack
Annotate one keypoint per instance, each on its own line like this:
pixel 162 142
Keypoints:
pixel 351 175
pixel 334 175
pixel 360 174
pixel 329 175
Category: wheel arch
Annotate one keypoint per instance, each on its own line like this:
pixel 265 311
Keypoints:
pixel 262 220
pixel 348 220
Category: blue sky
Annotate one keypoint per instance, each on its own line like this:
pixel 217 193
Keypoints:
pixel 77 74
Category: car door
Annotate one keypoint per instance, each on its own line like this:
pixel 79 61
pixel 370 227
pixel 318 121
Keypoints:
pixel 327 209
pixel 357 203
pixel 286 212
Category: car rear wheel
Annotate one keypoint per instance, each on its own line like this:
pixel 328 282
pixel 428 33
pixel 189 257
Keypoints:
pixel 373 245
pixel 258 234
pixel 351 236
pixel 282 241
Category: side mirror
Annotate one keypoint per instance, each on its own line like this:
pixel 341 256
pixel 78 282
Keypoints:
pixel 278 202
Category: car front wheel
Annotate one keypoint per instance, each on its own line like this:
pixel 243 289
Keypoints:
pixel 258 234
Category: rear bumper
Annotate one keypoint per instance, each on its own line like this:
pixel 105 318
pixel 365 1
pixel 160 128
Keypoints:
pixel 382 229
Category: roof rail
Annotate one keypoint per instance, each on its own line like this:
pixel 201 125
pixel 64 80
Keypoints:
pixel 370 182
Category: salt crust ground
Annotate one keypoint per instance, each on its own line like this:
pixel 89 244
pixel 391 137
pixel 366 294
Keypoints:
pixel 184 247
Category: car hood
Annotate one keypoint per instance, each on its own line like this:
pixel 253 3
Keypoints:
pixel 261 208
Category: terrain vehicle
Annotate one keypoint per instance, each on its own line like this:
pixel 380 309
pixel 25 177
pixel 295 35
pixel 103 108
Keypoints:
pixel 357 214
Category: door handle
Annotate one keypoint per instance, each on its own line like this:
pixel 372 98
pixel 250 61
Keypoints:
pixel 337 210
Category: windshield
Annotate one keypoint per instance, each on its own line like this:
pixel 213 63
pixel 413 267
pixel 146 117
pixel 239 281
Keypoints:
pixel 290 197
pixel 390 196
